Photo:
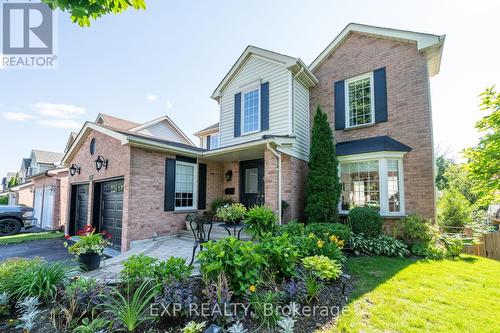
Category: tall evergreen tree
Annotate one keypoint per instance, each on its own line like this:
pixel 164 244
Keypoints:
pixel 323 186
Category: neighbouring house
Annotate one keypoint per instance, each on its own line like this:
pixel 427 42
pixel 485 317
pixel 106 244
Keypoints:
pixel 38 162
pixel 50 196
pixel 21 194
pixel 138 181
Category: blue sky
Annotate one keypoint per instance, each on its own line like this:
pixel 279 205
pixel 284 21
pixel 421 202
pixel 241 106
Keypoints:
pixel 168 60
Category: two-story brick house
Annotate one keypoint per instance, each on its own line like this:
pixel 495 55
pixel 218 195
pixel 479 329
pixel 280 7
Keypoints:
pixel 139 181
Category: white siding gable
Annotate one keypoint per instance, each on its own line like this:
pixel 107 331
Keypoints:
pixel 164 131
pixel 254 70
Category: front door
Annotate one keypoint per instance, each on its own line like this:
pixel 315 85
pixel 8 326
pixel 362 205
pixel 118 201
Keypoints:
pixel 252 182
pixel 112 210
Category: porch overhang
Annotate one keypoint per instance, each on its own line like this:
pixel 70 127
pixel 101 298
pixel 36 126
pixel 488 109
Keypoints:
pixel 248 150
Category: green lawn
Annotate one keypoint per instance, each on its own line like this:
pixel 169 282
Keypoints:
pixel 26 237
pixel 405 295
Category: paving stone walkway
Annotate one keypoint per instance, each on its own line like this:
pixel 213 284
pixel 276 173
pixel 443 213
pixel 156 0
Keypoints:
pixel 162 248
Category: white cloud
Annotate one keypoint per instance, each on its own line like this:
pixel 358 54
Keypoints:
pixel 61 123
pixel 152 98
pixel 17 116
pixel 64 111
pixel 168 104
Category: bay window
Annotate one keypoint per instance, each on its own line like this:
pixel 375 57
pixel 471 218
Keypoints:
pixel 374 181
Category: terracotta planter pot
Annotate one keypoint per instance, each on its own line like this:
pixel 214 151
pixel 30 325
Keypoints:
pixel 89 261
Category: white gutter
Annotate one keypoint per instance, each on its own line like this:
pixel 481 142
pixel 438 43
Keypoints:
pixel 278 158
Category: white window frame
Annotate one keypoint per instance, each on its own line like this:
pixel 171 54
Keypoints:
pixel 382 158
pixel 372 99
pixel 218 140
pixel 242 125
pixel 195 186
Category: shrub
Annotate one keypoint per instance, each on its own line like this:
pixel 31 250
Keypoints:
pixel 312 245
pixel 233 213
pixel 453 246
pixel 140 267
pixel 260 222
pixel 453 209
pixel 366 220
pixel 281 254
pixel 416 229
pixel 429 250
pixel 323 186
pixel 220 202
pixel 325 230
pixel 293 228
pixel 322 267
pixel 241 260
pixel 382 245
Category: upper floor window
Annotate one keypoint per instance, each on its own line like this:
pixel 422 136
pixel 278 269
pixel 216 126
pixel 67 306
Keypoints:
pixel 185 180
pixel 214 141
pixel 360 108
pixel 251 111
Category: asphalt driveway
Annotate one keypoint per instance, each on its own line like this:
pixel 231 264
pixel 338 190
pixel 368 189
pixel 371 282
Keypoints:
pixel 48 249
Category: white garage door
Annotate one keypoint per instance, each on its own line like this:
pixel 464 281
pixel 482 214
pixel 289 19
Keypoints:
pixel 38 205
pixel 48 209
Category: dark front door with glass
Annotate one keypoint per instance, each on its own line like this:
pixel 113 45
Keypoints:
pixel 252 182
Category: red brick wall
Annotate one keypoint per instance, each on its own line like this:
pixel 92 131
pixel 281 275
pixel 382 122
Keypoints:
pixel 409 110
pixel 118 166
pixel 293 182
pixel 235 180
pixel 25 196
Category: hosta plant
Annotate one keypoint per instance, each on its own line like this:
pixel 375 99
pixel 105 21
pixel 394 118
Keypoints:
pixel 381 245
pixel 260 222
pixel 322 267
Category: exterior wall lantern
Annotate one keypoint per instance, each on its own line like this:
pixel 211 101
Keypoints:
pixel 100 163
pixel 228 175
pixel 74 169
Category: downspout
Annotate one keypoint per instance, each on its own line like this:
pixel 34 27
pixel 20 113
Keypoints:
pixel 278 159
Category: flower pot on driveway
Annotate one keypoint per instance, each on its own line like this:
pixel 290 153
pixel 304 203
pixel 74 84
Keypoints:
pixel 89 261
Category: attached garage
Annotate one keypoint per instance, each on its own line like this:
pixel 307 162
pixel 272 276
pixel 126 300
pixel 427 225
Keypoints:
pixel 111 210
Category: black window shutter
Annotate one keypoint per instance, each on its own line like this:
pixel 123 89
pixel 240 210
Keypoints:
pixel 339 89
pixel 380 83
pixel 169 184
pixel 208 142
pixel 264 106
pixel 237 115
pixel 202 186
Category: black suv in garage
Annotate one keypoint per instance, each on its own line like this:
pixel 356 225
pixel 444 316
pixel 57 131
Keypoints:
pixel 14 218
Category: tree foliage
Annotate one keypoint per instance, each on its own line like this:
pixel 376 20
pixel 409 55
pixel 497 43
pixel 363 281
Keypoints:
pixel 484 159
pixel 442 163
pixel 83 11
pixel 453 209
pixel 323 187
pixel 14 181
